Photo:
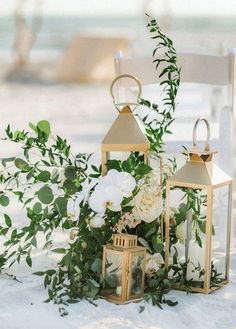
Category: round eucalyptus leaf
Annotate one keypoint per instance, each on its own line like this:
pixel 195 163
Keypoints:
pixel 37 208
pixel 4 200
pixel 44 126
pixel 70 172
pixel 97 265
pixel 69 187
pixel 60 204
pixel 45 194
pixel 22 165
pixel 44 176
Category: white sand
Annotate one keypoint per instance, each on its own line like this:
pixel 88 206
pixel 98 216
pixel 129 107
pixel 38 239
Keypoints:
pixel 83 114
pixel 22 307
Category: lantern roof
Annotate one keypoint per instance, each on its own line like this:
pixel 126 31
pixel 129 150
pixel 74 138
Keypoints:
pixel 200 171
pixel 199 175
pixel 126 133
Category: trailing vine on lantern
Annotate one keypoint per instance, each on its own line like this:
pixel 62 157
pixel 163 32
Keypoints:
pixel 170 79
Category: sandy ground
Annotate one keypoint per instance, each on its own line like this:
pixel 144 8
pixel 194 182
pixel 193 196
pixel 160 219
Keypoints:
pixel 82 114
pixel 22 307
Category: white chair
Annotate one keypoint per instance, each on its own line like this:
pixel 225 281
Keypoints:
pixel 198 70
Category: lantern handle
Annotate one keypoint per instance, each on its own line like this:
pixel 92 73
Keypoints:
pixel 121 77
pixel 207 145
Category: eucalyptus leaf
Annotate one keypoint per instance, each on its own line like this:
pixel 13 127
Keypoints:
pixel 4 200
pixel 37 208
pixel 142 169
pixel 69 187
pixel 44 176
pixel 7 220
pixel 97 265
pixel 29 261
pixel 44 126
pixel 45 194
pixel 59 250
pixel 22 165
pixel 60 204
pixel 70 172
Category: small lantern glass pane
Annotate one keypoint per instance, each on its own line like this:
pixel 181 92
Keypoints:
pixel 113 273
pixel 199 261
pixel 219 234
pixel 137 274
pixel 188 214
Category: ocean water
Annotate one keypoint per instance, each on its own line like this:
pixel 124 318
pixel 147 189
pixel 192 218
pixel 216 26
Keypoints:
pixel 56 32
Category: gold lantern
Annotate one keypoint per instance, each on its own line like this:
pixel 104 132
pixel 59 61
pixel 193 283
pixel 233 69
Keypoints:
pixel 123 269
pixel 126 133
pixel 198 221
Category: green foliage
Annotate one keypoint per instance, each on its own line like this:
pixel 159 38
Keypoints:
pixel 157 286
pixel 57 176
pixel 169 79
pixel 22 165
pixel 4 200
pixel 45 194
pixel 134 165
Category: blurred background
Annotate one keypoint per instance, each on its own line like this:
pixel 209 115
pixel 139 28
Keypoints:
pixel 56 58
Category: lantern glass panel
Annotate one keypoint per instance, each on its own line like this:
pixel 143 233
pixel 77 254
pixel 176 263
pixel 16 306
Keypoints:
pixel 137 272
pixel 113 272
pixel 118 155
pixel 219 232
pixel 188 211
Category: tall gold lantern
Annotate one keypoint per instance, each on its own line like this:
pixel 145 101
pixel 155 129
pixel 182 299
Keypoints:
pixel 200 196
pixel 126 133
pixel 123 269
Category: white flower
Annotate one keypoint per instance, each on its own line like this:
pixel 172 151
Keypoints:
pixel 97 221
pixel 73 208
pixel 105 197
pixel 148 204
pixel 124 181
pixel 180 232
pixel 153 262
pixel 87 185
pixel 73 234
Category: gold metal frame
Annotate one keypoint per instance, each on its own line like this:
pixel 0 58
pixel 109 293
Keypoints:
pixel 126 133
pixel 202 162
pixel 126 254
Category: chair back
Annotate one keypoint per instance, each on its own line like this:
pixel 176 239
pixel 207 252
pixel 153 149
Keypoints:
pixel 214 70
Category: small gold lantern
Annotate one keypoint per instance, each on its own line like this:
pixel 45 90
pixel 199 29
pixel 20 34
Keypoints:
pixel 123 269
pixel 126 133
pixel 200 196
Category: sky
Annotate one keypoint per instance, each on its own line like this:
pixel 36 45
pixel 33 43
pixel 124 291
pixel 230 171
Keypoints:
pixel 129 7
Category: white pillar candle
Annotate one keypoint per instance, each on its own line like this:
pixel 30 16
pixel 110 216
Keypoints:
pixel 196 258
pixel 118 290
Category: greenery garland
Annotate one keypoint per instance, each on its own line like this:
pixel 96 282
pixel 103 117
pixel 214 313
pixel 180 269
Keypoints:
pixel 46 188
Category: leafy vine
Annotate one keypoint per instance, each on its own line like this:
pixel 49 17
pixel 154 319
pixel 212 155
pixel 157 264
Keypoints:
pixel 170 74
